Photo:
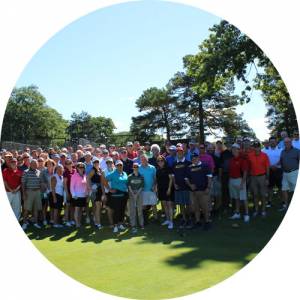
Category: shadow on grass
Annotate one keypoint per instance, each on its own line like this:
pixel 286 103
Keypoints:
pixel 221 243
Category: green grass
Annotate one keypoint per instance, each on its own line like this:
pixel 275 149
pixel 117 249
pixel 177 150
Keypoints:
pixel 156 263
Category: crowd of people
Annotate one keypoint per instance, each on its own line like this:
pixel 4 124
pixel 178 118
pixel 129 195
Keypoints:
pixel 193 182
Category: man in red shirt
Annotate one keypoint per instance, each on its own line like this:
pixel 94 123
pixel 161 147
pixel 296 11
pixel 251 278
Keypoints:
pixel 259 166
pixel 238 168
pixel 12 181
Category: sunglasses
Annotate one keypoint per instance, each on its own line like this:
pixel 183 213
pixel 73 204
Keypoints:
pixel 136 167
pixel 81 167
pixel 159 161
pixel 119 165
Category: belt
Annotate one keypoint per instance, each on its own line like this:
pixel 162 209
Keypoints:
pixel 37 189
pixel 290 171
pixel 259 175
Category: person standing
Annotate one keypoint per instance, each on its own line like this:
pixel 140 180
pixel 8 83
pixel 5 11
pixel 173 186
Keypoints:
pixel 289 161
pixel 164 179
pixel 118 195
pixel 238 168
pixel 31 188
pixel 259 168
pixel 149 191
pixel 296 141
pixel 198 178
pixel 12 182
pixel 155 149
pixel 275 179
pixel 135 187
pixel 79 191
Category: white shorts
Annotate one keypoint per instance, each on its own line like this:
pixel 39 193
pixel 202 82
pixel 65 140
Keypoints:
pixel 289 181
pixel 149 198
pixel 235 191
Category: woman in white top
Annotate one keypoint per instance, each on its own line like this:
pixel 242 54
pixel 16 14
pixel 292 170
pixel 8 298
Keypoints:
pixel 57 191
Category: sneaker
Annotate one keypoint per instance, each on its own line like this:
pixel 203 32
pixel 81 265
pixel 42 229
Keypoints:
pixel 121 227
pixel 115 230
pixel 24 226
pixel 134 230
pixel 170 226
pixel 263 214
pixel 246 218
pixel 99 226
pixel 73 223
pixel 269 204
pixel 87 220
pixel 45 223
pixel 236 216
pixel 283 208
pixel 58 226
pixel 165 223
pixel 36 225
pixel 254 214
pixel 68 224
pixel 142 227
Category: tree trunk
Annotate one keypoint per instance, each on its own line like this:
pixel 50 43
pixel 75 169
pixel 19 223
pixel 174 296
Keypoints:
pixel 167 125
pixel 201 121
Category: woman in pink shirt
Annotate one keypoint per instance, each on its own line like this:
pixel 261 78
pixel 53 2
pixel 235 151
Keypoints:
pixel 206 158
pixel 79 190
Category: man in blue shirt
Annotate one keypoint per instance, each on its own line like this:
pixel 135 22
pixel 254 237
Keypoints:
pixel 172 156
pixel 199 178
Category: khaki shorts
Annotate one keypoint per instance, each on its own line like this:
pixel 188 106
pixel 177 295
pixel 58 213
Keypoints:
pixel 235 191
pixel 258 185
pixel 33 201
pixel 289 181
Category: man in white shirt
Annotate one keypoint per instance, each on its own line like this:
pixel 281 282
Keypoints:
pixel 275 179
pixel 296 141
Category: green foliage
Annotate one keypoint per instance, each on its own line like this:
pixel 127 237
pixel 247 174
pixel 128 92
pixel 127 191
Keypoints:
pixel 83 125
pixel 28 119
pixel 159 112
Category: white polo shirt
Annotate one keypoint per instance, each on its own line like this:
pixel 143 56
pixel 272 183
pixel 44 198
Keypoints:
pixel 273 154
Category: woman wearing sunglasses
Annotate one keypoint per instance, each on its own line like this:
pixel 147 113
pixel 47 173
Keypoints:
pixel 118 195
pixel 79 191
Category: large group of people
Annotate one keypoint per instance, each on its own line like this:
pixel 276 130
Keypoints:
pixel 193 182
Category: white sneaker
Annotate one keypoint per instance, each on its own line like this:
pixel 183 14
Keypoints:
pixel 121 227
pixel 246 218
pixel 72 223
pixel 134 230
pixel 99 226
pixel 36 225
pixel 68 224
pixel 58 226
pixel 45 223
pixel 165 223
pixel 170 226
pixel 116 230
pixel 87 220
pixel 263 214
pixel 24 226
pixel 235 216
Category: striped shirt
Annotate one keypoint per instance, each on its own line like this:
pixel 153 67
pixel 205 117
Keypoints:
pixel 31 179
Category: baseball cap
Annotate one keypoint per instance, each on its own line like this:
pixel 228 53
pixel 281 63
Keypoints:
pixel 87 153
pixel 109 159
pixel 172 148
pixel 235 145
pixel 118 162
pixel 96 160
pixel 192 142
pixel 195 154
pixel 129 144
pixel 105 151
pixel 56 156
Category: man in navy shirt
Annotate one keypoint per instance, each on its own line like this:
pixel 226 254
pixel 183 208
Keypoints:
pixel 182 193
pixel 199 178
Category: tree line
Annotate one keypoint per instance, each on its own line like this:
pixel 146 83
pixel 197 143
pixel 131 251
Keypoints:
pixel 198 101
pixel 203 98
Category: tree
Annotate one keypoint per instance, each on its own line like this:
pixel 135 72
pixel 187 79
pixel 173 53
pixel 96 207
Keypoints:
pixel 83 125
pixel 160 112
pixel 28 119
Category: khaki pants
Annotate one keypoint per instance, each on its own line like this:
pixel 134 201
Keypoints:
pixel 33 201
pixel 15 203
pixel 136 206
pixel 200 200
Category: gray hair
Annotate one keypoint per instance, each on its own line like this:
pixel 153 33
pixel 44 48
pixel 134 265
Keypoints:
pixel 155 146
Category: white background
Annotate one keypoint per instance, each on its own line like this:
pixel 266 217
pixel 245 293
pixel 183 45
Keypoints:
pixel 25 25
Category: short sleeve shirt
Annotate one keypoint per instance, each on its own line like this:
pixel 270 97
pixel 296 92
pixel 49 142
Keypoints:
pixel 12 177
pixel 118 181
pixel 135 182
pixel 198 175
pixel 180 173
pixel 149 174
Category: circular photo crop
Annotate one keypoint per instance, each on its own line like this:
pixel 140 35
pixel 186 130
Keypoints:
pixel 150 150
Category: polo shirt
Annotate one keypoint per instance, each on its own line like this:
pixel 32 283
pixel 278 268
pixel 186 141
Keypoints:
pixel 273 155
pixel 127 165
pixel 225 157
pixel 289 159
pixel 68 174
pixel 88 167
pixel 132 155
pixel 237 166
pixel 12 177
pixel 170 160
pixel 258 164
pixel 198 175
pixel 32 179
pixel 118 181
pixel 207 159
pixel 180 173
pixel 149 174
pixel 296 144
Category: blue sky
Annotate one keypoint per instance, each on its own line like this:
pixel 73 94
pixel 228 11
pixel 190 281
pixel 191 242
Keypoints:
pixel 102 62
